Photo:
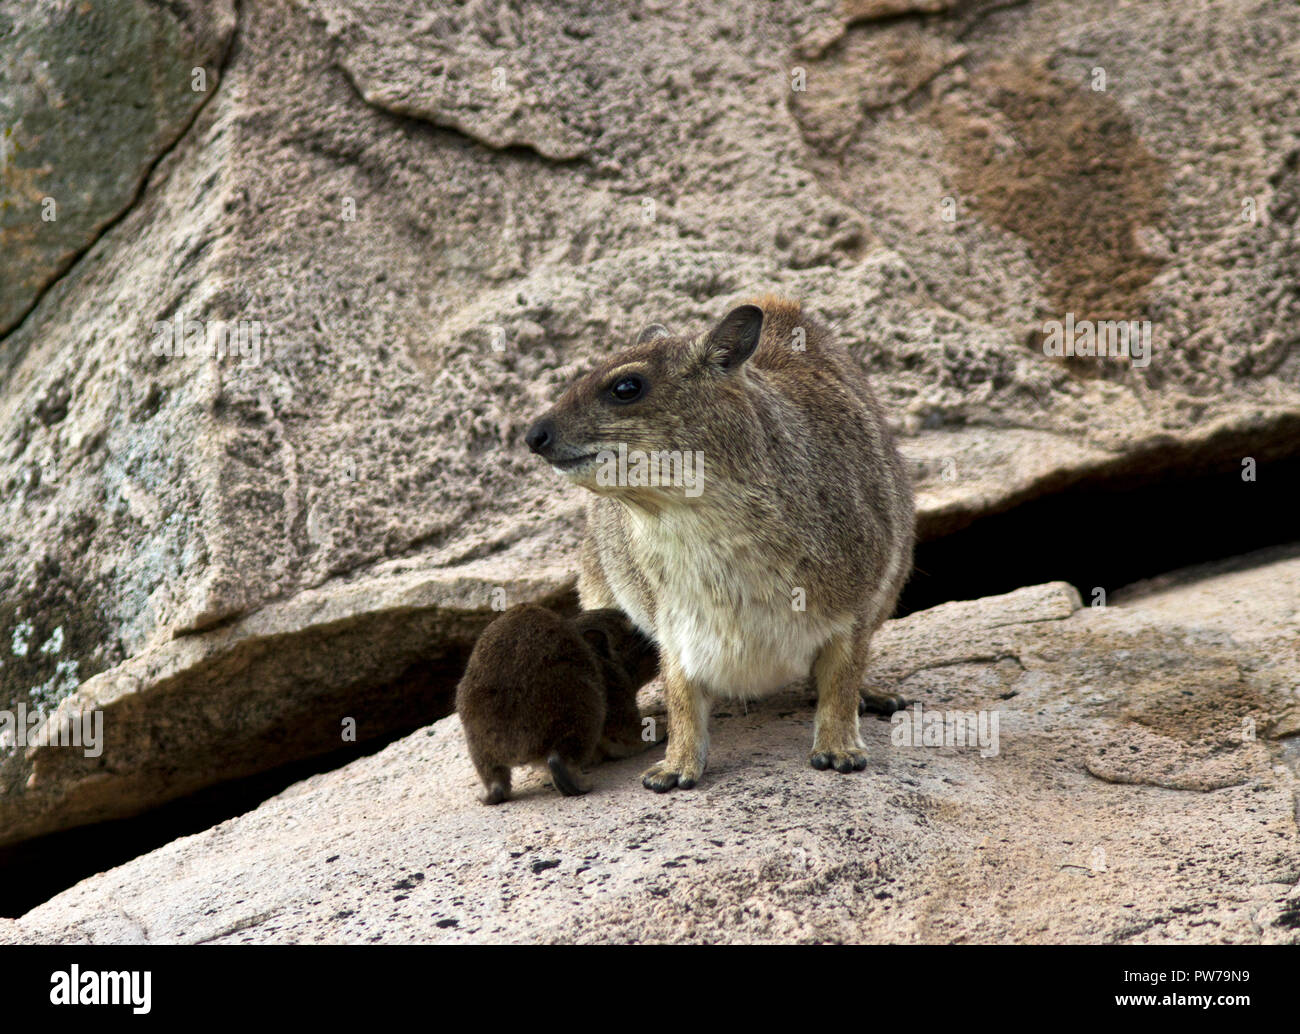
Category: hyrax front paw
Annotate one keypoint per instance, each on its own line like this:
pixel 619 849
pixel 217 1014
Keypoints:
pixel 666 776
pixel 852 759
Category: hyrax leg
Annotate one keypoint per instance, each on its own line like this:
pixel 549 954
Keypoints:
pixel 688 734
pixel 495 776
pixel 497 781
pixel 837 672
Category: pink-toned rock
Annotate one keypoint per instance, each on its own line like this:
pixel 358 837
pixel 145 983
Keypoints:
pixel 1019 841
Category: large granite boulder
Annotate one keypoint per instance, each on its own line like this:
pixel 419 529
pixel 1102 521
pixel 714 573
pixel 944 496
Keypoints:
pixel 91 96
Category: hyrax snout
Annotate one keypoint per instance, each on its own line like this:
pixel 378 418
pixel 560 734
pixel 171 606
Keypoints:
pixel 543 689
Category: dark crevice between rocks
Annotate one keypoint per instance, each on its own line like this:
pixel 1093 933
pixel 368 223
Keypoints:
pixel 1165 510
pixel 33 871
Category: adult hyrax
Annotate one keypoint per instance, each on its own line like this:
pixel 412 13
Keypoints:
pixel 544 689
pixel 751 515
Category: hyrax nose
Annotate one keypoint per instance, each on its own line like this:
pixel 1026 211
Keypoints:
pixel 541 436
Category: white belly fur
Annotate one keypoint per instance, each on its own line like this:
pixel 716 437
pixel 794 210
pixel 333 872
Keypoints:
pixel 725 611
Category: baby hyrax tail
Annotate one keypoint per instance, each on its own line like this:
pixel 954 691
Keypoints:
pixel 545 689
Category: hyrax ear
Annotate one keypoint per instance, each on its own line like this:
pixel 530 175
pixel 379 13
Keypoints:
pixel 733 340
pixel 655 330
pixel 598 641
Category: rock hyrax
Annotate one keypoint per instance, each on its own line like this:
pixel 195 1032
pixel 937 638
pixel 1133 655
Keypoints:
pixel 751 514
pixel 543 689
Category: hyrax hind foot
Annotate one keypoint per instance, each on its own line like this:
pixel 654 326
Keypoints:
pixel 566 778
pixel 497 781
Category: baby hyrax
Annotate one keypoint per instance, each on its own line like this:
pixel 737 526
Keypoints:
pixel 544 689
pixel 750 513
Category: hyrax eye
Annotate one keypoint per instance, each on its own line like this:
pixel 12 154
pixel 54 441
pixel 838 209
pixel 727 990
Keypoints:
pixel 627 389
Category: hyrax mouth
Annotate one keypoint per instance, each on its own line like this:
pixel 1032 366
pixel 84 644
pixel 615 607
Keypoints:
pixel 572 463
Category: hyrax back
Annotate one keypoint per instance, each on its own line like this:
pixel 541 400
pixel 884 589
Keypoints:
pixel 784 549
pixel 538 689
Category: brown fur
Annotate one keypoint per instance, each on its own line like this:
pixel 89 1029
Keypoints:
pixel 544 689
pixel 803 493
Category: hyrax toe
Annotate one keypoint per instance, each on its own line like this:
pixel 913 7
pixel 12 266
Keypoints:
pixel 850 760
pixel 880 703
pixel 666 776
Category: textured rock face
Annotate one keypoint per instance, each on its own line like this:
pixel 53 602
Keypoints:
pixel 1135 791
pixel 90 96
pixel 417 223
pixel 285 682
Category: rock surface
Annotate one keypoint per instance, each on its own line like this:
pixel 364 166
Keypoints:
pixel 278 684
pixel 424 220
pixel 1137 793
pixel 79 134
